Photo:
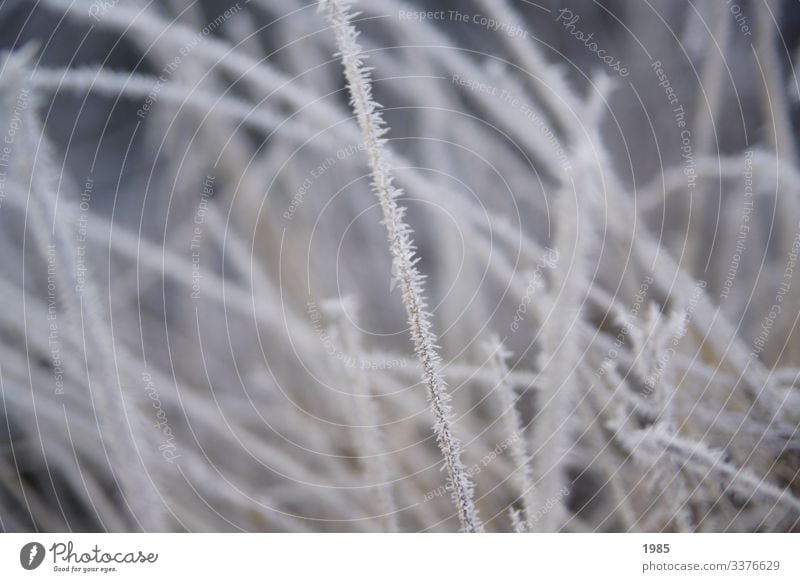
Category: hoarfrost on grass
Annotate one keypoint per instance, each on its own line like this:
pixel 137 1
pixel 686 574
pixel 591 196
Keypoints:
pixel 220 228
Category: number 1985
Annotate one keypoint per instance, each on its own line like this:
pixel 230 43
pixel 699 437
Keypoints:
pixel 656 548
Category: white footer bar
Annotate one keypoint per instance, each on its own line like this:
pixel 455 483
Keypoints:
pixel 401 557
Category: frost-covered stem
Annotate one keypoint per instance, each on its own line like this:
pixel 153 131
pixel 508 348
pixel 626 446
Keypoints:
pixel 139 86
pixel 712 82
pixel 424 33
pixel 550 85
pixel 369 441
pixel 774 106
pixel 558 361
pixel 513 427
pixel 561 338
pixel 402 247
pixel 698 458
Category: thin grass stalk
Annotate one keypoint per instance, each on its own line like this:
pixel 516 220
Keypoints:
pixel 402 248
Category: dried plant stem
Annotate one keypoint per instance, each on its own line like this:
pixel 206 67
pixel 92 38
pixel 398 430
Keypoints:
pixel 705 462
pixel 369 443
pixel 513 427
pixel 547 83
pixel 773 97
pixel 401 245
